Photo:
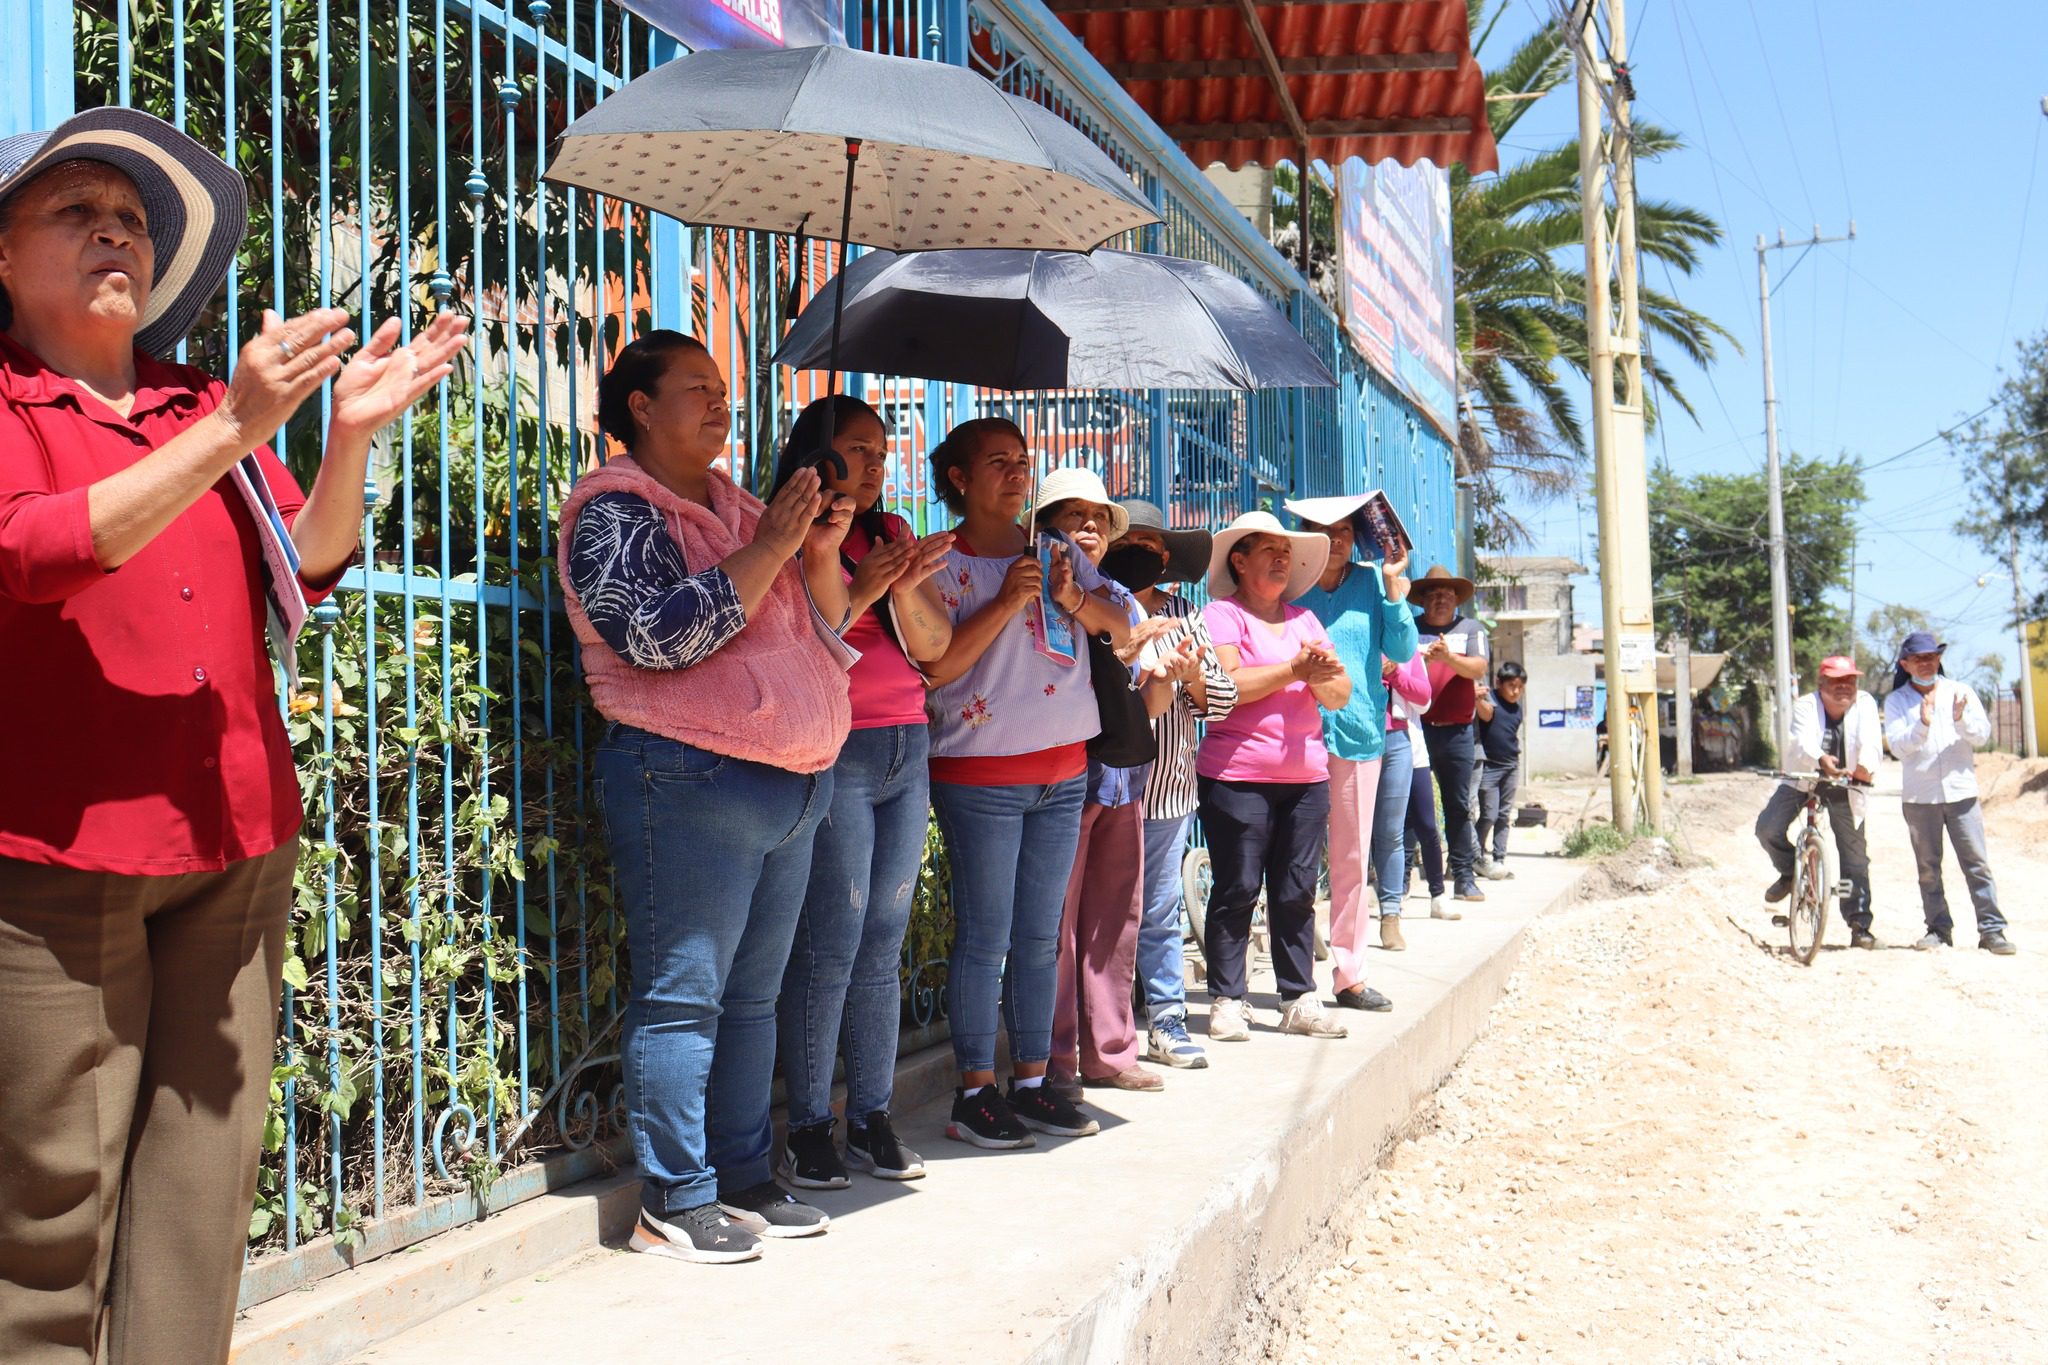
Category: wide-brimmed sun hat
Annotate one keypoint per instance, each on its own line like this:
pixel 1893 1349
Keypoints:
pixel 1187 552
pixel 1311 554
pixel 1439 577
pixel 196 205
pixel 1064 485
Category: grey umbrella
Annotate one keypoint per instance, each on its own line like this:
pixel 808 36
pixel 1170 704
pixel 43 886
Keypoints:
pixel 937 155
pixel 1053 320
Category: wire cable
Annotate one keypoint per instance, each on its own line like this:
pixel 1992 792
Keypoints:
pixel 1771 77
pixel 2019 249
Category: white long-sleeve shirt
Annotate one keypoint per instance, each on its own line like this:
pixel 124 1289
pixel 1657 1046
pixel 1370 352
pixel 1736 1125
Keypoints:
pixel 1862 739
pixel 1939 757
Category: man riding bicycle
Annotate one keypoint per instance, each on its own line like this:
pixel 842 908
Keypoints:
pixel 1837 732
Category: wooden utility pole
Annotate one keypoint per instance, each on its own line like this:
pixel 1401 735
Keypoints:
pixel 1614 338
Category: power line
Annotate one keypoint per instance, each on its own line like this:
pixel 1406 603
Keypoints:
pixel 2019 249
pixel 1791 146
pixel 1907 310
pixel 1827 81
pixel 1937 436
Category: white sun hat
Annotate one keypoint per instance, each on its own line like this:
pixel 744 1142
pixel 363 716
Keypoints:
pixel 1063 485
pixel 1311 554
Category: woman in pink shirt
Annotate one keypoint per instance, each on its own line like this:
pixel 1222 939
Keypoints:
pixel 843 979
pixel 1262 773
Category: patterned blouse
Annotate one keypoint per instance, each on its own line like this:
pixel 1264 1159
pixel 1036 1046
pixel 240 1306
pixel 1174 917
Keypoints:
pixel 1170 793
pixel 640 595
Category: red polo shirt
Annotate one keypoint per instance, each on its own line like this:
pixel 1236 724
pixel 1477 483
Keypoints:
pixel 139 728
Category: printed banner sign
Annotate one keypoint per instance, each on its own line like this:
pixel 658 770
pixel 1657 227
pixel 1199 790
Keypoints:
pixel 701 24
pixel 1550 720
pixel 1396 253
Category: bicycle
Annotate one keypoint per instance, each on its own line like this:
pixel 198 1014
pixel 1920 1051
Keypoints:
pixel 1813 860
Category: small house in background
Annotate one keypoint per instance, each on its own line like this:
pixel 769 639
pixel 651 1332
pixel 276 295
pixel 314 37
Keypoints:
pixel 1526 600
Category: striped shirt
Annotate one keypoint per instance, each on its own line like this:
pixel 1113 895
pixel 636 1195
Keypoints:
pixel 1170 792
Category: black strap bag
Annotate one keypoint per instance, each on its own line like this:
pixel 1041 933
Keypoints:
pixel 1126 739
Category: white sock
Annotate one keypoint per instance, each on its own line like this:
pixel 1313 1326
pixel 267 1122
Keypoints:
pixel 1028 1082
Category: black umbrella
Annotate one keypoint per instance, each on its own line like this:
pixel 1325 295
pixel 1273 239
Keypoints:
pixel 935 155
pixel 1052 320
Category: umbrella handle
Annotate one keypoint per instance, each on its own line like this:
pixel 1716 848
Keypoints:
pixel 830 462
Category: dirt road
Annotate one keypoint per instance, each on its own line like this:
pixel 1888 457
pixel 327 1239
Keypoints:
pixel 1674 1144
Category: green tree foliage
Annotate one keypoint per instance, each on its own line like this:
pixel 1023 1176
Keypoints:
pixel 2003 456
pixel 1709 550
pixel 1877 644
pixel 1518 255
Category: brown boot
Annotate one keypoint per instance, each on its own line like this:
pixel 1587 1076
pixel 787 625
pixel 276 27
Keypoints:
pixel 1390 934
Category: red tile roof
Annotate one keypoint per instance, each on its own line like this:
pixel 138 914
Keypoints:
pixel 1196 69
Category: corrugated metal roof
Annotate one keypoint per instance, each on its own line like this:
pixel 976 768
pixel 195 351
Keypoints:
pixel 1196 69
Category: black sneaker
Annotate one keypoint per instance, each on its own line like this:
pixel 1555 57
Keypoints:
pixel 1043 1108
pixel 1996 942
pixel 982 1117
pixel 768 1210
pixel 810 1159
pixel 1862 938
pixel 872 1147
pixel 703 1234
pixel 1777 890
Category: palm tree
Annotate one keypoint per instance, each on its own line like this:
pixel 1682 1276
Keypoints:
pixel 1518 252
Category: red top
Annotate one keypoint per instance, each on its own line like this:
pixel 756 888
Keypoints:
pixel 141 730
pixel 883 687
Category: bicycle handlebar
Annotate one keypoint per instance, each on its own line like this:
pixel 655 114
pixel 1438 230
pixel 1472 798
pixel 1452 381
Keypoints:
pixel 1823 780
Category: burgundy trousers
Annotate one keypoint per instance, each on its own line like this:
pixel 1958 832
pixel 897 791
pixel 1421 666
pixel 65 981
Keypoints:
pixel 1094 1030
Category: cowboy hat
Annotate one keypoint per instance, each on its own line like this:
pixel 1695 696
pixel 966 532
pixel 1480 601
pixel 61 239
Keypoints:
pixel 195 203
pixel 1439 576
pixel 1071 482
pixel 1187 552
pixel 1311 554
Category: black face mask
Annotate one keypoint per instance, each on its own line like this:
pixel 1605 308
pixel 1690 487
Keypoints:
pixel 1137 567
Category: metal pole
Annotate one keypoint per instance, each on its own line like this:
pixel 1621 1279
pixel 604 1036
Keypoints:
pixel 1600 362
pixel 1852 596
pixel 2019 615
pixel 1781 631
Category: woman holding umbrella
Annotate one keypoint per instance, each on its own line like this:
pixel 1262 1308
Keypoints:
pixel 149 809
pixel 727 711
pixel 1010 727
pixel 865 856
pixel 1263 773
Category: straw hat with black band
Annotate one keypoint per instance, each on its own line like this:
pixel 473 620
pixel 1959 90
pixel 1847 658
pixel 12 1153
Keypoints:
pixel 1439 577
pixel 196 205
pixel 1311 554
pixel 1187 552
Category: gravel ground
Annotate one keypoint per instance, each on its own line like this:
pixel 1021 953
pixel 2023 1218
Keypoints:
pixel 1676 1144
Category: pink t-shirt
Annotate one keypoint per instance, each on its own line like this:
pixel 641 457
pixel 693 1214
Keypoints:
pixel 883 687
pixel 1278 738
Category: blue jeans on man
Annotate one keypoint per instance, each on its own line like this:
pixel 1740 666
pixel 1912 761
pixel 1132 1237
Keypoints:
pixel 712 855
pixel 1162 958
pixel 843 979
pixel 1011 850
pixel 1963 821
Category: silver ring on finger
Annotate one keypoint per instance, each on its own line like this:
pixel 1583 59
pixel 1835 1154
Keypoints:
pixel 285 347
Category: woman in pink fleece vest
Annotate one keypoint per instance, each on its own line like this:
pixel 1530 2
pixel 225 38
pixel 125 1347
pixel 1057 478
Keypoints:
pixel 727 711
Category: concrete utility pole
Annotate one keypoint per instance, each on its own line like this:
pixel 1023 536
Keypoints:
pixel 2019 616
pixel 1681 680
pixel 1627 615
pixel 1781 611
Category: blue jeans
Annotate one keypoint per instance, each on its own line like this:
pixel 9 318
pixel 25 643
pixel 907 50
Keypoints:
pixel 844 963
pixel 1011 850
pixel 712 855
pixel 1390 822
pixel 1162 965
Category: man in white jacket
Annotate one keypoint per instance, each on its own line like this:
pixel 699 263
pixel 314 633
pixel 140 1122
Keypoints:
pixel 1934 724
pixel 1835 731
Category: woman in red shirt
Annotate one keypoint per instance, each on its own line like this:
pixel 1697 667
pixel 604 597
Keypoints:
pixel 149 809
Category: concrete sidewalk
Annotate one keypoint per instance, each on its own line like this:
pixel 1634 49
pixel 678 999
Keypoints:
pixel 1148 1241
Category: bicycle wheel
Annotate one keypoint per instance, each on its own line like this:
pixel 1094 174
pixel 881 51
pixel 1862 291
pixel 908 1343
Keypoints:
pixel 1807 915
pixel 1197 879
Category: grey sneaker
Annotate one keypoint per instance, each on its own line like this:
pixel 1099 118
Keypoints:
pixel 1934 938
pixel 768 1210
pixel 1169 1043
pixel 1305 1015
pixel 702 1234
pixel 1996 943
pixel 1230 1021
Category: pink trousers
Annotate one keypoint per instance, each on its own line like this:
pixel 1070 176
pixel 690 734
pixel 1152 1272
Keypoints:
pixel 1094 1033
pixel 1353 787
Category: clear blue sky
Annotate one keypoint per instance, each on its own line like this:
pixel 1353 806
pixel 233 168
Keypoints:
pixel 1929 141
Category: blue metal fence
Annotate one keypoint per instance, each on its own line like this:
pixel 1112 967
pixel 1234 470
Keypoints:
pixel 453 985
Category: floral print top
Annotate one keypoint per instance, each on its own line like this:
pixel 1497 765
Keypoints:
pixel 1015 700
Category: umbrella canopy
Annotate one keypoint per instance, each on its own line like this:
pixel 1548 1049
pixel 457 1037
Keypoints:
pixel 1054 320
pixel 757 139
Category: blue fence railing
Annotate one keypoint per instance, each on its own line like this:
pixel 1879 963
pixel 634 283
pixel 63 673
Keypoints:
pixel 454 977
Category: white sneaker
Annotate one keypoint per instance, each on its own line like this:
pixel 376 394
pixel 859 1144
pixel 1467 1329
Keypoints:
pixel 1230 1021
pixel 1494 872
pixel 1440 908
pixel 1305 1015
